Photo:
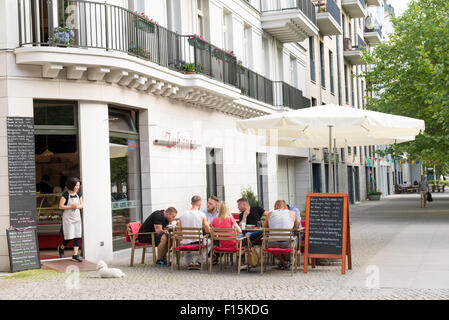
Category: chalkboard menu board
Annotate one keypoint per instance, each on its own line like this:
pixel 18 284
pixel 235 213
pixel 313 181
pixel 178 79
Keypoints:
pixel 21 171
pixel 326 225
pixel 327 228
pixel 23 249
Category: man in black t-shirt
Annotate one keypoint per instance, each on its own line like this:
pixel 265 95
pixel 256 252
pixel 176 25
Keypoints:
pixel 155 223
pixel 250 215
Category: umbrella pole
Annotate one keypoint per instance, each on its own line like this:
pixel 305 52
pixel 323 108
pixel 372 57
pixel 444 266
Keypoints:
pixel 329 158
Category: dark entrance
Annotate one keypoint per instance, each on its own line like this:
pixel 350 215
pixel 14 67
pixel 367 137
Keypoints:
pixel 316 171
pixel 357 183
pixel 350 185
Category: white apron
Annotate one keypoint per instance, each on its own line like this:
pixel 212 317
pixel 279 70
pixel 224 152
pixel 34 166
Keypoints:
pixel 71 220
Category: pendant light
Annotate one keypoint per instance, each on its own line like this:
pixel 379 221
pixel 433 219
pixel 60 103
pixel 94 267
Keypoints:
pixel 47 153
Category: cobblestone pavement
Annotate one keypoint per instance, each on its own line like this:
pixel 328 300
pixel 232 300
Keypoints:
pixel 394 239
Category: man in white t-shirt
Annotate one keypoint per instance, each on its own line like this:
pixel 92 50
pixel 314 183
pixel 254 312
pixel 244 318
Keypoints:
pixel 194 218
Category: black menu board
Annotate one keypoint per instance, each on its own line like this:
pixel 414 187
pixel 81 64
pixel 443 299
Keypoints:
pixel 23 249
pixel 326 225
pixel 21 171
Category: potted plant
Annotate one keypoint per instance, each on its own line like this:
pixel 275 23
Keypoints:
pixel 197 41
pixel 374 195
pixel 248 193
pixel 139 51
pixel 64 36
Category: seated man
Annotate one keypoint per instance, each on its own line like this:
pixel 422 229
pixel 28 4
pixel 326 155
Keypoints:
pixel 281 218
pixel 155 223
pixel 250 216
pixel 194 218
pixel 211 213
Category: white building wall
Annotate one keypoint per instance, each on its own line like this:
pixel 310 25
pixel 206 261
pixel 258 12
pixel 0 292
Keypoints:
pixel 96 180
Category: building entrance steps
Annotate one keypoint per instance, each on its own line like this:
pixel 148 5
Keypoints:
pixel 64 265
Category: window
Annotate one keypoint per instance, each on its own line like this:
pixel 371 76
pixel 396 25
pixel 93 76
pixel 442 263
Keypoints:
pixel 126 191
pixel 247 47
pixel 355 151
pixel 262 178
pixel 358 92
pixel 342 152
pixel 214 173
pixel 312 59
pixel 346 85
pixel 55 113
pixel 331 71
pixel 313 102
pixel 227 30
pixel 266 57
pixel 349 150
pixel 352 87
pixel 363 94
pixel 202 18
pixel 293 72
pixel 323 80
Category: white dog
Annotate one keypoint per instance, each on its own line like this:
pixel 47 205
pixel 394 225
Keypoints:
pixel 106 272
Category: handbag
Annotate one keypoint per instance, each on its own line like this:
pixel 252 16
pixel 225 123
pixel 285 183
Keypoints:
pixel 253 257
pixel 429 196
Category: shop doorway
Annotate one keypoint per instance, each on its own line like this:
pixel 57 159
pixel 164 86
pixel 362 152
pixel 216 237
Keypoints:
pixel 316 172
pixel 56 160
pixel 350 185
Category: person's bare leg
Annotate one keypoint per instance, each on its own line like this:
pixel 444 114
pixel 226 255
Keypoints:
pixel 162 248
pixel 75 251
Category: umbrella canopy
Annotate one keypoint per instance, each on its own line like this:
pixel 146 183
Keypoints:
pixel 309 127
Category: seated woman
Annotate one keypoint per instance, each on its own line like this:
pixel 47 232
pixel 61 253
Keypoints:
pixel 226 220
pixel 281 218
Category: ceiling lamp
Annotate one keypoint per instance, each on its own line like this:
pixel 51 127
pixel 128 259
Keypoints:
pixel 47 153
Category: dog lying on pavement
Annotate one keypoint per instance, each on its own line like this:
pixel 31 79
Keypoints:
pixel 106 272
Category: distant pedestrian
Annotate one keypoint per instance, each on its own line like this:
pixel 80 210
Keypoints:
pixel 71 202
pixel 423 189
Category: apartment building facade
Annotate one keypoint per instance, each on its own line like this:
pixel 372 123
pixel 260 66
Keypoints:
pixel 140 99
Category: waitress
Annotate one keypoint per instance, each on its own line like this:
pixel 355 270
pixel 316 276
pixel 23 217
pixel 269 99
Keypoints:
pixel 71 202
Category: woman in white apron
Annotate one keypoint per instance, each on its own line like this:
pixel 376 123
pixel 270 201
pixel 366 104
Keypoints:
pixel 71 202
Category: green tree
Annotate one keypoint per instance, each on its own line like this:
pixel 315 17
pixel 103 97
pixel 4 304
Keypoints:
pixel 410 77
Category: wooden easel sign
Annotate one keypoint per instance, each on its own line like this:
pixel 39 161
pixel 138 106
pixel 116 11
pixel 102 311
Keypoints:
pixel 327 229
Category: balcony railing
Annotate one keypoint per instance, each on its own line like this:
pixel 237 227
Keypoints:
pixel 329 6
pixel 378 30
pixel 83 24
pixel 360 42
pixel 306 6
pixel 287 96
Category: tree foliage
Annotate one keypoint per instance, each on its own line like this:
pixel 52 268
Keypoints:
pixel 410 77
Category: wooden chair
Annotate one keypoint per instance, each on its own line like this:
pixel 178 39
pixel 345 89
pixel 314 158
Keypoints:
pixel 227 234
pixel 279 235
pixel 192 235
pixel 132 234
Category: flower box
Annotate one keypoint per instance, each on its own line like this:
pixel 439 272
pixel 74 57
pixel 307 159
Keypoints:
pixel 145 26
pixel 197 42
pixel 374 196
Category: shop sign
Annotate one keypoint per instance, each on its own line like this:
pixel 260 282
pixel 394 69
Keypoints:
pixel 176 140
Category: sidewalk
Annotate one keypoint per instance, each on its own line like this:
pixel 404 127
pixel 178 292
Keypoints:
pixel 406 246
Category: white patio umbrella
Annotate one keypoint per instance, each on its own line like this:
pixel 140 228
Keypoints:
pixel 317 127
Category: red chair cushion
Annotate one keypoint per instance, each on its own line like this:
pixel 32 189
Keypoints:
pixel 278 250
pixel 142 244
pixel 227 249
pixel 189 248
pixel 134 226
pixel 303 223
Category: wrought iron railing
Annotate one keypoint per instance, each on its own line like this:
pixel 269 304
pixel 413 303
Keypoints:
pixel 378 30
pixel 287 96
pixel 306 6
pixel 83 24
pixel 331 7
pixel 360 43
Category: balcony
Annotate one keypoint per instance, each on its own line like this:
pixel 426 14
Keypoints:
pixel 287 96
pixel 374 3
pixel 127 50
pixel 373 36
pixel 351 53
pixel 328 17
pixel 355 8
pixel 289 20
